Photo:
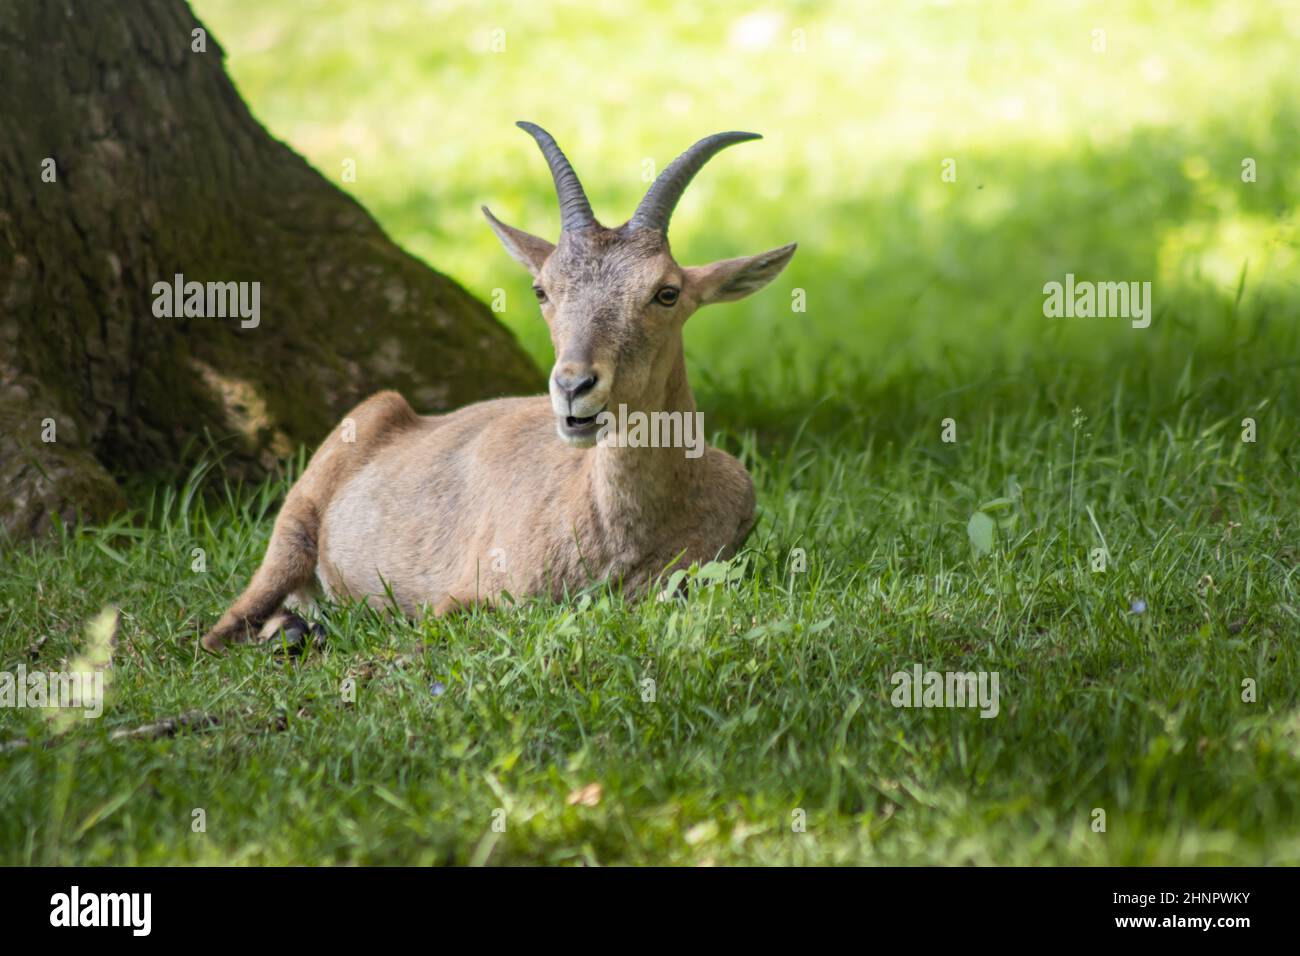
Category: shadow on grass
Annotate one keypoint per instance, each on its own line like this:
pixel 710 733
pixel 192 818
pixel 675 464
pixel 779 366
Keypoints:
pixel 924 297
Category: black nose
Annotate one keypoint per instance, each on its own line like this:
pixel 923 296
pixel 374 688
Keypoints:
pixel 574 386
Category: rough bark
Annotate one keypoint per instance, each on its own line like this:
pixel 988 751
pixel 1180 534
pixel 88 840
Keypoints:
pixel 161 170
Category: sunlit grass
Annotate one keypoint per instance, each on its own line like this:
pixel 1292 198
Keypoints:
pixel 1068 158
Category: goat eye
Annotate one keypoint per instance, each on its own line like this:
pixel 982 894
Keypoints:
pixel 540 293
pixel 667 295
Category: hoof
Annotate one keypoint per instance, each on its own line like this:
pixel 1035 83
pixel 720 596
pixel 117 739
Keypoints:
pixel 213 643
pixel 296 635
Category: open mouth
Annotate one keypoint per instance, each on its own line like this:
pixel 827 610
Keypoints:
pixel 578 426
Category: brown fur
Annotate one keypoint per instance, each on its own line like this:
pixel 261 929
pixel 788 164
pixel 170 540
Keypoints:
pixel 451 510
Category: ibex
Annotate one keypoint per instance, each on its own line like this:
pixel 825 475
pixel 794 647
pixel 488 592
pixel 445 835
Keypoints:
pixel 445 511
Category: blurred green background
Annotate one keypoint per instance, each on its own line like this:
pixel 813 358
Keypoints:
pixel 1115 155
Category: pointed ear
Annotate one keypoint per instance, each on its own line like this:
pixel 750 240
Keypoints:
pixel 528 250
pixel 733 279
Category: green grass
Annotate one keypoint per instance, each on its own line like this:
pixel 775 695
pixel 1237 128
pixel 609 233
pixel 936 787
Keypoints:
pixel 772 686
pixel 1122 164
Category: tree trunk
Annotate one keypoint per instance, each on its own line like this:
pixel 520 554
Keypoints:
pixel 126 159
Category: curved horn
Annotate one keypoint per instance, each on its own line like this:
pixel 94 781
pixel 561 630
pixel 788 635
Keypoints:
pixel 657 206
pixel 575 211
